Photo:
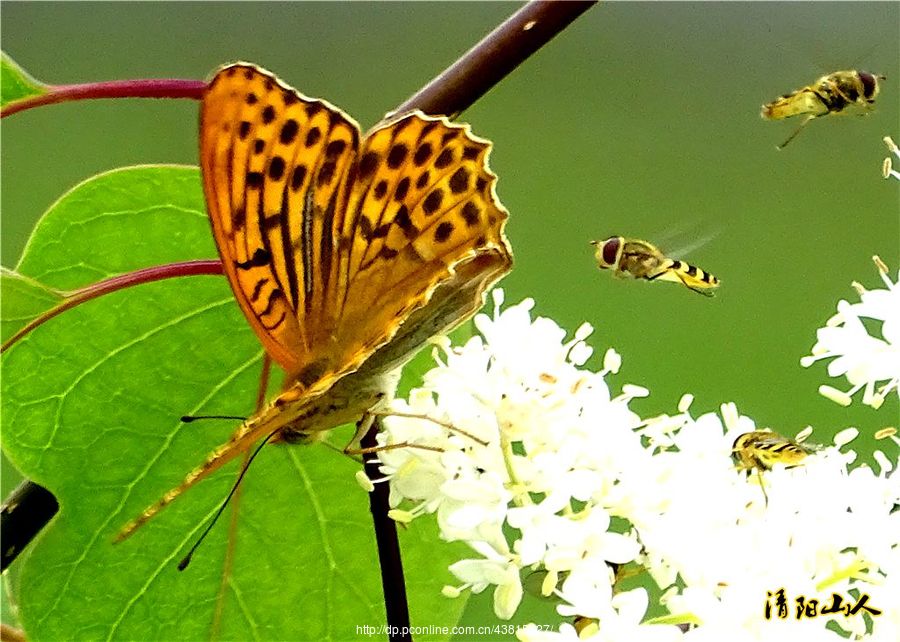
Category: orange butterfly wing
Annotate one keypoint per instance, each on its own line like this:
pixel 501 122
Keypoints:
pixel 273 164
pixel 329 247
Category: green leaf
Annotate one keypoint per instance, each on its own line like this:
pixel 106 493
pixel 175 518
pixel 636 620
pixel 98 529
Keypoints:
pixel 90 408
pixel 15 83
pixel 23 300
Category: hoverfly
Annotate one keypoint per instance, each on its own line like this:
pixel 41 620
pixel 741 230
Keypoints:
pixel 642 260
pixel 830 94
pixel 761 450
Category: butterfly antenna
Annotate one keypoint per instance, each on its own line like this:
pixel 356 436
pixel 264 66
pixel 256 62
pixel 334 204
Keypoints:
pixel 183 564
pixel 189 418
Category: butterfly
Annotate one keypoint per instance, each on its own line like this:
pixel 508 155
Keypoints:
pixel 345 252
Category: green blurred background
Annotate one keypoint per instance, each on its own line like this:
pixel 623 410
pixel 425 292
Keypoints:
pixel 640 120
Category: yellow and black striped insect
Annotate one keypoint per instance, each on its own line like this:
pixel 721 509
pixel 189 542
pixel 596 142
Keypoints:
pixel 643 260
pixel 761 450
pixel 838 92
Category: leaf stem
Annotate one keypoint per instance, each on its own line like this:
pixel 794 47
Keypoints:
pixel 120 282
pixel 140 88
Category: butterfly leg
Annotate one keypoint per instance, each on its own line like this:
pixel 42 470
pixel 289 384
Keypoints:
pixel 365 424
pixel 443 424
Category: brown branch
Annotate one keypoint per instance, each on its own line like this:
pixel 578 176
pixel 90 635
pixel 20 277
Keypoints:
pixel 11 634
pixel 24 513
pixel 390 561
pixel 456 88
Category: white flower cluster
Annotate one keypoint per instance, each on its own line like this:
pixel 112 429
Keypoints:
pixel 864 359
pixel 887 169
pixel 547 474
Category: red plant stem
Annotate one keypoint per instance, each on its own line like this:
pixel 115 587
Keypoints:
pixel 141 88
pixel 146 275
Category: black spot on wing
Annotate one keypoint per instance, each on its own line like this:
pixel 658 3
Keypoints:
pixel 326 173
pixel 432 202
pixel 297 177
pixel 260 258
pixel 368 165
pixel 459 181
pixel 443 231
pixel 422 154
pixel 365 228
pixel 444 158
pixel 289 132
pixel 397 155
pixel 470 214
pixel 254 180
pixel 313 136
pixel 276 168
pixel 239 217
pixel 402 189
pixel 404 222
pixel 257 290
pixel 335 148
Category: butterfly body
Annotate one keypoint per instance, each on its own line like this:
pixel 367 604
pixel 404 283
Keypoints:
pixel 345 252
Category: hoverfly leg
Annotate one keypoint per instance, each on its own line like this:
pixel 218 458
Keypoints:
pixel 706 293
pixel 762 486
pixel 796 131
